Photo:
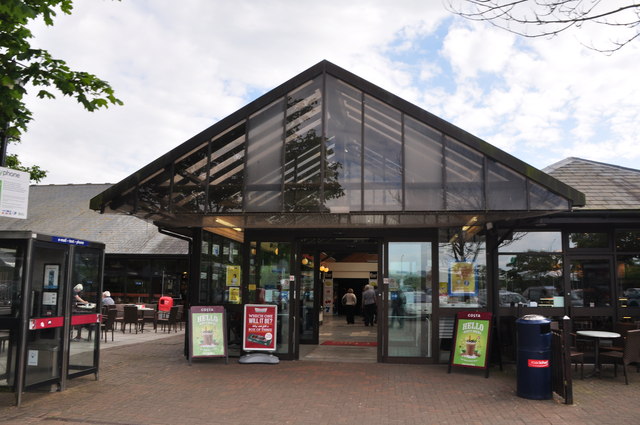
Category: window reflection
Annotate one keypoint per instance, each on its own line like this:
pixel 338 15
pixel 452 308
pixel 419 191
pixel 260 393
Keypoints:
pixel 463 269
pixel 590 283
pixel 628 275
pixel 530 279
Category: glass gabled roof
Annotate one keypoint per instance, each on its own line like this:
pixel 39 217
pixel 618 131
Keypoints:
pixel 329 149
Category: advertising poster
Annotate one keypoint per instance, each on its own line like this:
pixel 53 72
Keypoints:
pixel 14 193
pixel 471 339
pixel 207 336
pixel 463 279
pixel 234 295
pixel 259 327
pixel 233 275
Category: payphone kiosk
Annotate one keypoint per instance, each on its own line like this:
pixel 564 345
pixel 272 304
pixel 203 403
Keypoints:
pixel 50 292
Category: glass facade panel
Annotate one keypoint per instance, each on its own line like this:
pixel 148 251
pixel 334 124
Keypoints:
pixel 226 175
pixel 263 191
pixel 532 242
pixel 11 269
pixel 410 306
pixel 343 174
pixel 11 255
pixel 153 194
pixel 530 279
pixel 589 240
pixel 541 199
pixel 628 241
pixel 220 271
pixel 424 189
pixel 303 148
pixel 138 282
pixel 462 269
pixel 464 177
pixel 382 157
pixel 506 190
pixel 189 181
pixel 86 271
pixel 307 319
pixel 590 283
pixel 628 276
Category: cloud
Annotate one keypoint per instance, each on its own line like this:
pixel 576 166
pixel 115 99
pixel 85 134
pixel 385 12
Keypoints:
pixel 181 69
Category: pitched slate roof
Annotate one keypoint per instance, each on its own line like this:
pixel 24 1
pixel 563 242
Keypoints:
pixel 63 210
pixel 606 186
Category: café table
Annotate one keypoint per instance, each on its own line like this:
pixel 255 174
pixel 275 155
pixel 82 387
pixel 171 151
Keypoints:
pixel 598 335
pixel 142 314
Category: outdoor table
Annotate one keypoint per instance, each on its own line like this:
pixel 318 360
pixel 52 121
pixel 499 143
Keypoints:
pixel 598 335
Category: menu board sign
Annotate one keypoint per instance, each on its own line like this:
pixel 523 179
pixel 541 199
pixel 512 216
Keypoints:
pixel 260 322
pixel 471 340
pixel 207 335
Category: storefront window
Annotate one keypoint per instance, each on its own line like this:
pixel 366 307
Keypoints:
pixel 627 241
pixel 220 271
pixel 628 276
pixel 530 279
pixel 532 242
pixel 590 283
pixel 463 269
pixel 588 240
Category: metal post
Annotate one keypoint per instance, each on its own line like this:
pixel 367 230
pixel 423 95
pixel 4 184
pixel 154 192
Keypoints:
pixel 3 147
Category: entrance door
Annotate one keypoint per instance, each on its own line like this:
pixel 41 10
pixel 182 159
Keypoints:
pixel 408 302
pixel 325 269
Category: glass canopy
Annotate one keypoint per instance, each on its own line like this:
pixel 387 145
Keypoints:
pixel 327 149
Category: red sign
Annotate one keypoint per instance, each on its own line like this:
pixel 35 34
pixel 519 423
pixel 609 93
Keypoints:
pixel 85 319
pixel 46 323
pixel 260 323
pixel 537 363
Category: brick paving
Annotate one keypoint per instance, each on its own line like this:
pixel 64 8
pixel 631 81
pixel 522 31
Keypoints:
pixel 152 383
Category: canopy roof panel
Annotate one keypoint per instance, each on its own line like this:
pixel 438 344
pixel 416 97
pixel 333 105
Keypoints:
pixel 329 149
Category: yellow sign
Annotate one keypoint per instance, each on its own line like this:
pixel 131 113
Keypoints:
pixel 463 279
pixel 233 275
pixel 234 295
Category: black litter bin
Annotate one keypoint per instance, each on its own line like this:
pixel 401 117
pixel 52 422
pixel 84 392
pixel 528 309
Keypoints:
pixel 534 357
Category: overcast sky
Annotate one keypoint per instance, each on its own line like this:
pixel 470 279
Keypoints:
pixel 179 67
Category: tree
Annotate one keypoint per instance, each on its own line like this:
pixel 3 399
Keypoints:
pixel 23 67
pixel 544 18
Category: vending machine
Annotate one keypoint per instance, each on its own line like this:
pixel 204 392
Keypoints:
pixel 50 292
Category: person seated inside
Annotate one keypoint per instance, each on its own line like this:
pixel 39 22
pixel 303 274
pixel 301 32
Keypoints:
pixel 106 298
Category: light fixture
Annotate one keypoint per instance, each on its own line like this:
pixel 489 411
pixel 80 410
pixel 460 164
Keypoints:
pixel 305 261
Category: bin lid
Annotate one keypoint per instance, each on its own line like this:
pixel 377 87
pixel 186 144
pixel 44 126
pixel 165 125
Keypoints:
pixel 530 318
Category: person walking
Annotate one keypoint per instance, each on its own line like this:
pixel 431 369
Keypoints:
pixel 349 302
pixel 368 305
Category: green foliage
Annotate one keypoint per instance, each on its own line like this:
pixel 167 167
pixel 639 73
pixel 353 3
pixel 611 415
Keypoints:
pixel 22 67
pixel 36 173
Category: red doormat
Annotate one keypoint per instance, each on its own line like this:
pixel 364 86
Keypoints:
pixel 352 343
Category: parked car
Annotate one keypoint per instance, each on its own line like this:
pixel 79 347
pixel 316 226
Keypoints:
pixel 506 298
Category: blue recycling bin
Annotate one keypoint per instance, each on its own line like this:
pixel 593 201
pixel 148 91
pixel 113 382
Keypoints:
pixel 534 357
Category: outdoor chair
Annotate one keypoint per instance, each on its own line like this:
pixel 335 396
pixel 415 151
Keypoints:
pixel 576 356
pixel 150 316
pixel 108 323
pixel 180 316
pixel 131 317
pixel 618 344
pixel 170 320
pixel 630 354
pixel 119 313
